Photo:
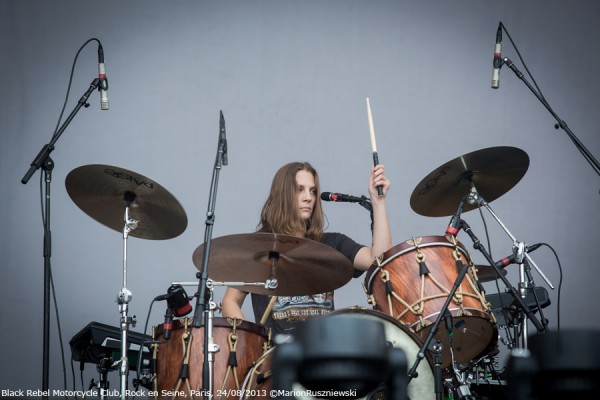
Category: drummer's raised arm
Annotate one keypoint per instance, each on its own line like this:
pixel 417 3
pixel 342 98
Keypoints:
pixel 382 237
pixel 232 303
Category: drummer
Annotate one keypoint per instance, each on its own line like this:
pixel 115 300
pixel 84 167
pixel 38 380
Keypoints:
pixel 294 208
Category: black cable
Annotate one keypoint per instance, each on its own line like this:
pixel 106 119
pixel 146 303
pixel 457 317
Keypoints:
pixel 141 351
pixel 71 80
pixel 559 285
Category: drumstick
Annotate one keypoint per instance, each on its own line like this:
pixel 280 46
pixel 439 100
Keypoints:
pixel 373 143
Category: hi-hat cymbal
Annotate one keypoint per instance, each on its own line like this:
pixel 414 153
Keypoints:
pixel 101 191
pixel 303 266
pixel 485 273
pixel 493 171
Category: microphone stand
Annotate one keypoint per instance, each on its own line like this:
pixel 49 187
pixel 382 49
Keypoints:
pixel 366 203
pixel 478 246
pixel 204 305
pixel 561 124
pixel 43 160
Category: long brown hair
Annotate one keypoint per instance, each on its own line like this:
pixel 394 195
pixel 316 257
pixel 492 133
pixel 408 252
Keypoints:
pixel 280 212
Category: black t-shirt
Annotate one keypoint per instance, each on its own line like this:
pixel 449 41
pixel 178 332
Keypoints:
pixel 289 310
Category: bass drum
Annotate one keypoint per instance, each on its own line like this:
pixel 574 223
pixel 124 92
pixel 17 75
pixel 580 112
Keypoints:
pixel 258 382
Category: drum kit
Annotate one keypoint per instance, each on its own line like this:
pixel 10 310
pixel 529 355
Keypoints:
pixel 414 288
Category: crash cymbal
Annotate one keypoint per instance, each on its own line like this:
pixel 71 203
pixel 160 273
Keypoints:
pixel 303 266
pixel 493 171
pixel 100 191
pixel 485 273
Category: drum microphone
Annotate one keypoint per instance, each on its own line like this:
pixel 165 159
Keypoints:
pixel 177 300
pixel 497 62
pixel 455 222
pixel 506 261
pixel 341 198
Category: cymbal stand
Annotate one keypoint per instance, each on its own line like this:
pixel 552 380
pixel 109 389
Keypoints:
pixel 475 198
pixel 204 303
pixel 124 297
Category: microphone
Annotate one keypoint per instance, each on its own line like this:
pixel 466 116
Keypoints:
pixel 497 58
pixel 168 325
pixel 455 222
pixel 341 198
pixel 103 87
pixel 178 301
pixel 506 261
pixel 223 138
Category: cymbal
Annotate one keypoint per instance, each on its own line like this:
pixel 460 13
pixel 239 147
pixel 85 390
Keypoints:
pixel 303 266
pixel 493 171
pixel 485 273
pixel 100 190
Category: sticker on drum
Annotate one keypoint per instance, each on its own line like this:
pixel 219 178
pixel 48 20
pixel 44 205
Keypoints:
pixel 238 340
pixel 412 285
pixel 258 382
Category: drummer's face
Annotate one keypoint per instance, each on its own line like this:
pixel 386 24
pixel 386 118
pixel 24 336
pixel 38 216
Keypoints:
pixel 306 193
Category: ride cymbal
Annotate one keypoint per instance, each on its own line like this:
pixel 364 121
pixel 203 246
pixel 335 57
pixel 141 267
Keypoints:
pixel 102 191
pixel 493 171
pixel 302 266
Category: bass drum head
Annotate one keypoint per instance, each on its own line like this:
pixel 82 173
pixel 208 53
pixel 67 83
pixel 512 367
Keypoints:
pixel 420 388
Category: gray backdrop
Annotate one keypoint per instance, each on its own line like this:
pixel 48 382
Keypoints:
pixel 291 78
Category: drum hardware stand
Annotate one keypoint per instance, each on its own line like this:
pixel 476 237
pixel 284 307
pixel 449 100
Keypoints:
pixel 437 349
pixel 103 367
pixel 463 390
pixel 463 268
pixel 475 198
pixel 518 299
pixel 124 297
pixel 526 285
pixel 45 162
pixel 204 304
pixel 521 255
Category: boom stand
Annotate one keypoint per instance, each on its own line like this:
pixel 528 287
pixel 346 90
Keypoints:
pixel 43 160
pixel 561 124
pixel 124 297
pixel 203 298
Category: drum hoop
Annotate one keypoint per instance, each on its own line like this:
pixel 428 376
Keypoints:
pixel 427 317
pixel 219 322
pixel 407 250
